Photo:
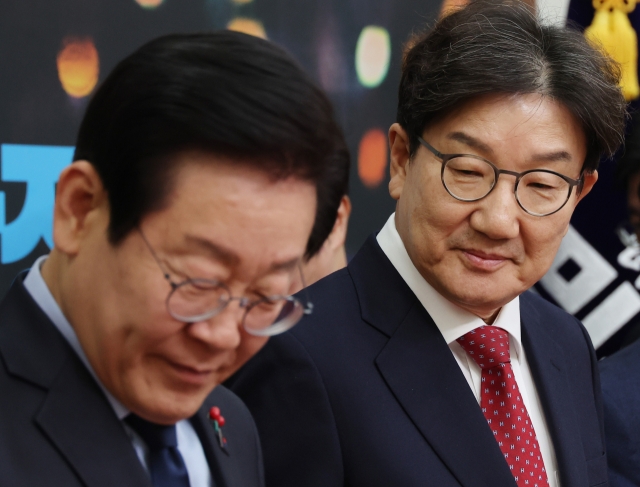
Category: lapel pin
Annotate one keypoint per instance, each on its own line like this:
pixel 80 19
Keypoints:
pixel 218 422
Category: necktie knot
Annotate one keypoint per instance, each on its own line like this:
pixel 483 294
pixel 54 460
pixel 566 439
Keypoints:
pixel 156 436
pixel 487 345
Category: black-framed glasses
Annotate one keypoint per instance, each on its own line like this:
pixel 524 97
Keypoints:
pixel 539 192
pixel 194 300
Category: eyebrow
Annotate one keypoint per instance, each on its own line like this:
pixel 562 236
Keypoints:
pixel 470 141
pixel 474 143
pixel 230 258
pixel 286 265
pixel 560 155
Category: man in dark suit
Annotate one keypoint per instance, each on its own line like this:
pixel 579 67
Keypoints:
pixel 196 190
pixel 426 362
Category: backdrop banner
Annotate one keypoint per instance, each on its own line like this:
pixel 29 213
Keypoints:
pixel 596 274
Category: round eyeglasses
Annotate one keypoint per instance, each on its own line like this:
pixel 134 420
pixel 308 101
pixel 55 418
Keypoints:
pixel 539 192
pixel 194 300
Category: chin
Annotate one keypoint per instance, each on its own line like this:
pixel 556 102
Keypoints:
pixel 169 407
pixel 480 300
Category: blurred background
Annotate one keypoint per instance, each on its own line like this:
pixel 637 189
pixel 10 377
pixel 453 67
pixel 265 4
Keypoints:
pixel 53 54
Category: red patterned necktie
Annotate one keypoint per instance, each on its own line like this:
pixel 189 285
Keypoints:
pixel 503 407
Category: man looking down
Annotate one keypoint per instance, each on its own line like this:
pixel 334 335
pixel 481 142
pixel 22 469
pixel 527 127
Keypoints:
pixel 200 166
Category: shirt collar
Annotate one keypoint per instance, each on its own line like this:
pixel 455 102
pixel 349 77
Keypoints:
pixel 35 285
pixel 452 321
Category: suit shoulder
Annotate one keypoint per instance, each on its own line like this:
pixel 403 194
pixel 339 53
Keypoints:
pixel 621 368
pixel 565 328
pixel 537 302
pixel 548 313
pixel 331 286
pixel 334 300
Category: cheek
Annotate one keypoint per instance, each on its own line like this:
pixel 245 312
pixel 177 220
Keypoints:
pixel 130 343
pixel 435 220
pixel 135 317
pixel 138 293
pixel 541 242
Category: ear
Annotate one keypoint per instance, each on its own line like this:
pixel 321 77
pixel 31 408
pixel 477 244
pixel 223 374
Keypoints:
pixel 338 234
pixel 79 196
pixel 400 156
pixel 590 179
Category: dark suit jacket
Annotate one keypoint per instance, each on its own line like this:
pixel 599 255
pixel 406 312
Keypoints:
pixel 621 394
pixel 366 392
pixel 58 429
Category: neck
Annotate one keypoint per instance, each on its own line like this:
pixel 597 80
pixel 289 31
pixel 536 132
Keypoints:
pixel 50 272
pixel 490 319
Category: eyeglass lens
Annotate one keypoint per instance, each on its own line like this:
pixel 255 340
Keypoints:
pixel 538 192
pixel 200 299
pixel 195 299
pixel 271 316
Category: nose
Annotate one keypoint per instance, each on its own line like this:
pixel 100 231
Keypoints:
pixel 222 331
pixel 497 214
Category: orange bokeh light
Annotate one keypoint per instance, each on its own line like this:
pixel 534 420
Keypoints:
pixel 149 3
pixel 248 26
pixel 78 66
pixel 372 158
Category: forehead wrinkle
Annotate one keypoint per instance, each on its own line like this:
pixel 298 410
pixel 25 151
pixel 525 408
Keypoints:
pixel 470 141
pixel 232 259
pixel 217 251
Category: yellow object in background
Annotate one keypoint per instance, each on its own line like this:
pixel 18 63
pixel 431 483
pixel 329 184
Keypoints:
pixel 612 30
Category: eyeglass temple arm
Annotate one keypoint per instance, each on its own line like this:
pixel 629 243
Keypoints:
pixel 435 152
pixel 155 257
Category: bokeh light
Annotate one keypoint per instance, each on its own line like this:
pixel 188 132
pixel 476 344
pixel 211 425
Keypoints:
pixel 372 158
pixel 149 4
pixel 450 5
pixel 242 2
pixel 373 53
pixel 78 66
pixel 248 26
pixel 332 66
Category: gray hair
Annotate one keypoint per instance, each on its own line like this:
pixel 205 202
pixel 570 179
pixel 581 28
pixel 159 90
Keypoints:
pixel 490 47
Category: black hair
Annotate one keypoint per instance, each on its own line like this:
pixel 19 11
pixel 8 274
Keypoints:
pixel 224 93
pixel 493 46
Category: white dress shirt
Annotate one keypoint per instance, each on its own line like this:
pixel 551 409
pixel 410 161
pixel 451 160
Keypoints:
pixel 188 441
pixel 453 322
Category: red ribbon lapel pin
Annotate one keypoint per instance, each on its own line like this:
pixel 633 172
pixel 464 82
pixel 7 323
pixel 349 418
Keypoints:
pixel 218 422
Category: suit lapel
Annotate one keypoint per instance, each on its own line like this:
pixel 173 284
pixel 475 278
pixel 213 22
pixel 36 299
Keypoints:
pixel 420 370
pixel 422 374
pixel 544 356
pixel 75 416
pixel 79 421
pixel 215 456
